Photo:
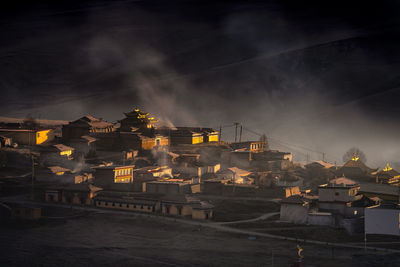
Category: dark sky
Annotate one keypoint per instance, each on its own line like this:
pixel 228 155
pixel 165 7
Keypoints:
pixel 322 74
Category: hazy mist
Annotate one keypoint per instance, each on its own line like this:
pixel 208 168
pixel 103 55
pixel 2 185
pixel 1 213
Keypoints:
pixel 318 81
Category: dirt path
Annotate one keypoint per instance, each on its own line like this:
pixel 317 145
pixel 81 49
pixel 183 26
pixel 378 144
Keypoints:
pixel 262 217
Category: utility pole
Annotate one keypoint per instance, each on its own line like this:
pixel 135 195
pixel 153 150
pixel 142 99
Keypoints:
pixel 240 136
pixel 220 134
pixel 33 175
pixel 236 128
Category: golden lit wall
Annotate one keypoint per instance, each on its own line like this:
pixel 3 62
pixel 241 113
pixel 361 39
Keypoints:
pixel 66 153
pixel 44 136
pixel 197 139
pixel 123 175
pixel 148 144
pixel 213 138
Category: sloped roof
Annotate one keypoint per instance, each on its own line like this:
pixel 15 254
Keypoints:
pixel 358 164
pixel 383 189
pixel 323 164
pixel 40 121
pixel 387 172
pixel 82 188
pixel 62 147
pixel 239 172
pixel 89 138
pixel 57 169
pixel 93 122
pixel 342 181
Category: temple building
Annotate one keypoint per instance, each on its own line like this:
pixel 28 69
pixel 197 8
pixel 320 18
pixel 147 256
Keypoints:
pixel 357 170
pixel 136 119
pixel 87 125
pixel 388 176
pixel 137 131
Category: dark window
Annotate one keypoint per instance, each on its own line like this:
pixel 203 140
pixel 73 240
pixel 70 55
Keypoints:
pixel 113 204
pixel 336 193
pixel 106 203
pixel 141 207
pixel 180 211
pixel 149 208
pixel 127 205
pixel 120 205
pixel 134 206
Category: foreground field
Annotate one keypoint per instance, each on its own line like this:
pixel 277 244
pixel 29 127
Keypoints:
pixel 104 239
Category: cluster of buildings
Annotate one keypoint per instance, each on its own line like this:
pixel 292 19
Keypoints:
pixel 134 164
pixel 367 203
pixel 131 164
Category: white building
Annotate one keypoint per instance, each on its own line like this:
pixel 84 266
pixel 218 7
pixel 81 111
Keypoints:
pixel 337 195
pixel 383 220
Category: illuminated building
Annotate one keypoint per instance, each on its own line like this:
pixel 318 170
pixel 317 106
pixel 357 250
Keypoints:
pixel 29 137
pixel 356 169
pixel 137 119
pixel 139 141
pixel 388 176
pixel 252 146
pixel 56 155
pixel 87 125
pixel 107 176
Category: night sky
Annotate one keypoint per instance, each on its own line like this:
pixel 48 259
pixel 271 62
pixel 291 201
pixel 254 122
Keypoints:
pixel 323 75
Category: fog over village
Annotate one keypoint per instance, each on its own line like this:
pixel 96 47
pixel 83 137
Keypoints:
pixel 267 128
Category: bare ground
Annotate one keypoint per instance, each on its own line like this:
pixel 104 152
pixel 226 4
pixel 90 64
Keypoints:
pixel 128 240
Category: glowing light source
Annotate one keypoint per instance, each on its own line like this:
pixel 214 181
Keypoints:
pixel 387 168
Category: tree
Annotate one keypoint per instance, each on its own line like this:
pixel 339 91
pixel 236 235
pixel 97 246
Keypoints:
pixel 354 152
